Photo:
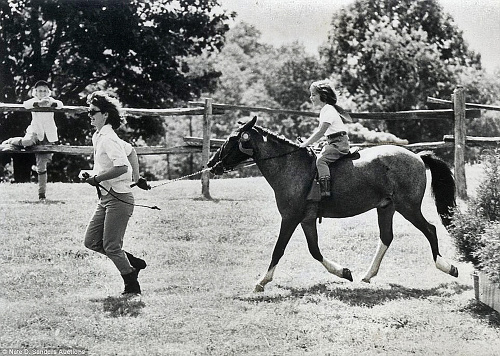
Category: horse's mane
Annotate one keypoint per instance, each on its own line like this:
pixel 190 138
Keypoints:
pixel 278 137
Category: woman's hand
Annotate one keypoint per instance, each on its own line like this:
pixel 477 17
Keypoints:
pixel 93 181
pixel 142 183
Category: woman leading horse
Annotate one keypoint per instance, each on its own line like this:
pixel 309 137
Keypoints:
pixel 387 178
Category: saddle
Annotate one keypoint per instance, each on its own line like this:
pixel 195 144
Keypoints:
pixel 314 192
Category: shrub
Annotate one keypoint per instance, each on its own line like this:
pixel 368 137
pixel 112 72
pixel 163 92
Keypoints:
pixel 489 252
pixel 476 231
pixel 488 192
pixel 467 229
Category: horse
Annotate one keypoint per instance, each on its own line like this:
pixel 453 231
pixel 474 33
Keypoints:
pixel 387 178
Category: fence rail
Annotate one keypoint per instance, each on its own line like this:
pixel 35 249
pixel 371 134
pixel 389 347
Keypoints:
pixel 128 111
pixel 469 105
pixel 399 115
pixel 88 150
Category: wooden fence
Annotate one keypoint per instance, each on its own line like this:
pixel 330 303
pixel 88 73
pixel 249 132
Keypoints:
pixel 460 112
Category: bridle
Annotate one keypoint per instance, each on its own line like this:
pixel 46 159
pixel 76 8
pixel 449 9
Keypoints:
pixel 245 137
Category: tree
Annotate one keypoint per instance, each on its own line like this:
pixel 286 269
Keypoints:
pixel 256 74
pixel 136 48
pixel 391 54
pixel 242 64
pixel 288 84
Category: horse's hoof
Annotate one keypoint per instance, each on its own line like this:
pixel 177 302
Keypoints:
pixel 454 271
pixel 365 280
pixel 346 274
pixel 259 288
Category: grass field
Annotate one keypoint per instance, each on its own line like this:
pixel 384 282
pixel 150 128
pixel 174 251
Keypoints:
pixel 204 258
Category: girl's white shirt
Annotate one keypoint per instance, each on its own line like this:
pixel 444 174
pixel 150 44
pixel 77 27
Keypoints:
pixel 330 115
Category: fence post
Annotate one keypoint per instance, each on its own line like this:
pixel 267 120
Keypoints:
pixel 205 150
pixel 460 131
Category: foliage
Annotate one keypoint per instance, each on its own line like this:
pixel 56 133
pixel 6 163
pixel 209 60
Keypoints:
pixel 489 252
pixel 487 200
pixel 390 55
pixel 482 88
pixel 360 134
pixel 466 229
pixel 136 49
pixel 476 230
pixel 255 74
pixel 289 85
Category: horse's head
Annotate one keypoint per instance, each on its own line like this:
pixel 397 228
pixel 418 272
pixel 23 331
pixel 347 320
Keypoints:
pixel 236 149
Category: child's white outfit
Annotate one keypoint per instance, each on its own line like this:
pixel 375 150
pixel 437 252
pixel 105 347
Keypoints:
pixel 42 130
pixel 42 123
pixel 336 135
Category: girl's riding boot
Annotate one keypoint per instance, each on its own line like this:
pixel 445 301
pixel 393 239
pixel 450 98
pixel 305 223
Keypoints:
pixel 324 186
pixel 135 262
pixel 131 284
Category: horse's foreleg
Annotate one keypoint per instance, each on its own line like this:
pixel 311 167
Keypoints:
pixel 311 232
pixel 288 226
pixel 385 216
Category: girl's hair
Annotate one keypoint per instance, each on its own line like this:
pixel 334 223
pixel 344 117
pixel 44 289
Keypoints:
pixel 325 91
pixel 42 83
pixel 109 104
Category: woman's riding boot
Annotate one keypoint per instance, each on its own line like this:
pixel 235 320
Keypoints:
pixel 135 262
pixel 324 186
pixel 131 284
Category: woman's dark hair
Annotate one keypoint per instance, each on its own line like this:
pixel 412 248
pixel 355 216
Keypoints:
pixel 325 91
pixel 108 104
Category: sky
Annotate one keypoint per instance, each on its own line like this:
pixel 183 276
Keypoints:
pixel 308 21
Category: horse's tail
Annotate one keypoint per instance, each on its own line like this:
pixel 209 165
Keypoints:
pixel 443 186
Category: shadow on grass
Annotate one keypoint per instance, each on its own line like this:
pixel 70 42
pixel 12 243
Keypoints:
pixel 121 306
pixel 43 202
pixel 483 312
pixel 366 297
pixel 218 200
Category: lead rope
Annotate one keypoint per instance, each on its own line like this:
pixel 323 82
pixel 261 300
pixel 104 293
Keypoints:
pixel 153 207
pixel 180 178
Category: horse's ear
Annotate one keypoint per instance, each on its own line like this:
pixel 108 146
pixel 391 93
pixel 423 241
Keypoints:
pixel 248 125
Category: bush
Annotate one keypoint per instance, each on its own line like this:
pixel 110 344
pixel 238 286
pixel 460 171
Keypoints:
pixel 467 229
pixel 476 231
pixel 489 252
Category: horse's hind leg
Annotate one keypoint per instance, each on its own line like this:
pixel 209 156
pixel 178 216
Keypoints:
pixel 417 219
pixel 385 215
pixel 288 226
pixel 311 232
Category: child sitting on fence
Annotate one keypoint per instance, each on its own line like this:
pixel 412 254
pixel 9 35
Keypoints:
pixel 42 130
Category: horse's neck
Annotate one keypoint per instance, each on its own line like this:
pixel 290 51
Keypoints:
pixel 282 163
